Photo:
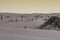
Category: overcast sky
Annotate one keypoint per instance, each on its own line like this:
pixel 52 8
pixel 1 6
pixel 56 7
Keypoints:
pixel 30 6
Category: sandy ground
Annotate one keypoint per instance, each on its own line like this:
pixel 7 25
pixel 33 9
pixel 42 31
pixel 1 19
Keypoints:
pixel 22 24
pixel 28 34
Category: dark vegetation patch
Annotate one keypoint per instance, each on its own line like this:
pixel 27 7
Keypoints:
pixel 53 23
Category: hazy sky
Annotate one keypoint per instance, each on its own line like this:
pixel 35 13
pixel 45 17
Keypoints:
pixel 27 6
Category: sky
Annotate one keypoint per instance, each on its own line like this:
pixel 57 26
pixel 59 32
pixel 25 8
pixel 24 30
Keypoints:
pixel 30 6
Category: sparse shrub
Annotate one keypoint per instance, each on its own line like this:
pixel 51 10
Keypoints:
pixel 7 17
pixel 25 27
pixel 16 20
pixel 21 16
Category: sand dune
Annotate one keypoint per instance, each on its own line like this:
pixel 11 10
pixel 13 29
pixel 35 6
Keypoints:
pixel 28 34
